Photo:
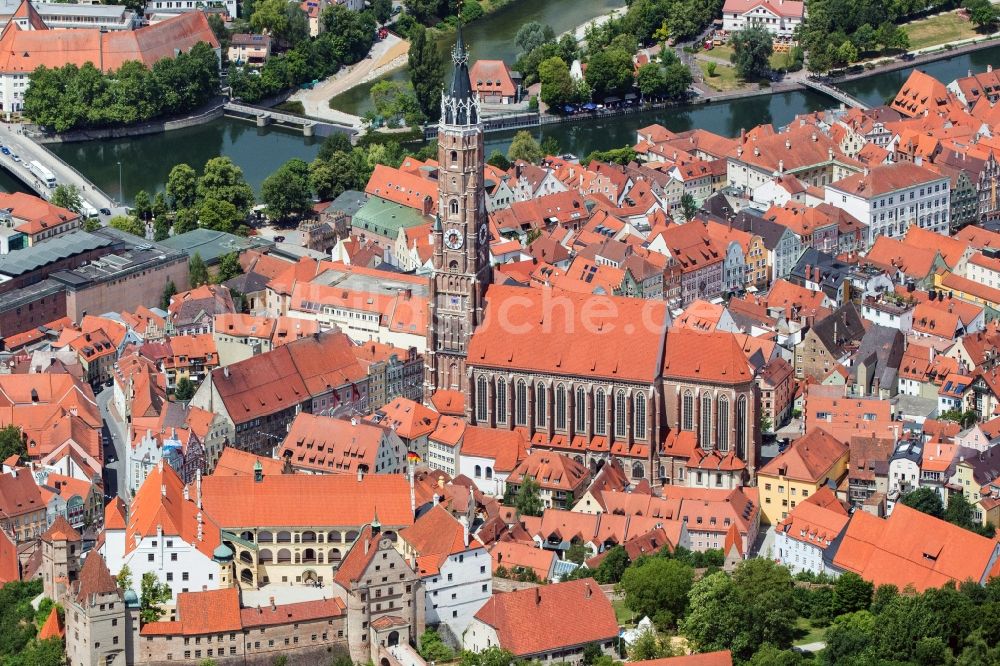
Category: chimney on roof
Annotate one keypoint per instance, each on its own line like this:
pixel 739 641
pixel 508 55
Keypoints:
pixel 465 529
pixel 756 151
pixel 163 489
pixel 361 473
pixel 781 166
pixel 989 68
pixel 187 493
pixel 538 596
pixel 788 143
pixel 274 607
pixel 225 371
pixel 588 592
pixel 197 486
pixel 829 153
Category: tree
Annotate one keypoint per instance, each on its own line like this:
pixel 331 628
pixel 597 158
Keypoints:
pixel 612 567
pixel 689 207
pixel 184 390
pixel 651 80
pixel 550 145
pixel 677 79
pixel 396 102
pixel 219 215
pixel 91 224
pixel 197 271
pixel 925 500
pixel 752 49
pixel 524 147
pixel 284 21
pixel 168 292
pixel 182 186
pixel 68 197
pixel 161 228
pixel 533 34
pixel 768 655
pixel 558 87
pixel 648 646
pixel 577 553
pixel 129 225
pixel 159 208
pixel 527 500
pixel 983 14
pixel 12 443
pixel 432 648
pixel 286 192
pixel 142 205
pixel 851 593
pixel 658 588
pixel 491 656
pixel 960 512
pixel 426 73
pixel 124 578
pixel 223 180
pixel 499 160
pixel 609 72
pixel 711 68
pixel 152 595
pixel 336 142
pixel 382 9
pixel 229 267
pixel 185 220
pixel 742 612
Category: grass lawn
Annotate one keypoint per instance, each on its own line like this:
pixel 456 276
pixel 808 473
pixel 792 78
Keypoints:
pixel 623 614
pixel 725 77
pixel 805 633
pixel 292 107
pixel 725 52
pixel 938 29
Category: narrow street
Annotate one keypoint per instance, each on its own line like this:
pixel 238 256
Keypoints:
pixel 115 441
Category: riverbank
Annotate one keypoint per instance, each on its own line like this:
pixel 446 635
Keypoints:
pixel 211 111
pixel 934 54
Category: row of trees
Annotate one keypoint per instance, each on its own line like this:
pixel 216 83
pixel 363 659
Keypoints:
pixel 958 512
pixel 656 20
pixel 346 39
pixel 19 625
pixel 70 97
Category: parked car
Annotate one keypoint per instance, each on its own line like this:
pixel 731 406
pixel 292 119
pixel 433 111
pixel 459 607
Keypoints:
pixel 5 150
pixel 15 158
pixel 105 211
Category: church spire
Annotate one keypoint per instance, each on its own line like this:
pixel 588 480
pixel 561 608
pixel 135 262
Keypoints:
pixel 459 105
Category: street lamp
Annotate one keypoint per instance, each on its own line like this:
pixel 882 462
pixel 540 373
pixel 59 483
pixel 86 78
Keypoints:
pixel 121 191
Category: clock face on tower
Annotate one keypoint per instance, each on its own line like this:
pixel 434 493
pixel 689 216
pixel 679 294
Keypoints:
pixel 483 233
pixel 453 239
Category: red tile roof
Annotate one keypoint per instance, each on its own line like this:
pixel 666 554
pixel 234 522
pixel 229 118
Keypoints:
pixel 491 77
pixel 552 471
pixel 913 548
pixel 199 613
pixel 53 627
pixel 506 447
pixel 570 334
pixel 885 178
pixel 333 446
pixel 551 617
pixel 810 458
pixel 24 50
pixel 720 658
pixel 434 537
pixel 234 462
pixel 336 500
pixel 511 554
pixel 10 566
pixel 303 611
pixel 36 214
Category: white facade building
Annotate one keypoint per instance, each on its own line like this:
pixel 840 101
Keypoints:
pixel 779 17
pixel 889 198
pixel 456 570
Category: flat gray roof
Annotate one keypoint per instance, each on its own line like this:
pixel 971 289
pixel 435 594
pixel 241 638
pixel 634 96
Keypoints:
pixel 212 245
pixel 66 9
pixel 41 254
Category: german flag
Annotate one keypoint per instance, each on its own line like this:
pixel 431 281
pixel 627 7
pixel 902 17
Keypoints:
pixel 413 457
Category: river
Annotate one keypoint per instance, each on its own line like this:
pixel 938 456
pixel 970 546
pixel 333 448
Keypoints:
pixel 148 159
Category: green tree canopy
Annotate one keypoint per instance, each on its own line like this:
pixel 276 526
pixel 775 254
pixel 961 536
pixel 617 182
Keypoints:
pixel 851 593
pixel 426 72
pixel 229 267
pixel 527 500
pixel 533 34
pixel 12 443
pixel 284 21
pixel 197 271
pixel 609 72
pixel 658 589
pixel 743 611
pixel 142 206
pixel 128 224
pixel 525 147
pixel 221 179
pixel 558 87
pixel 925 500
pixel 154 593
pixel 68 197
pixel 182 186
pixel 752 49
pixel 286 192
pixel 184 390
pixel 432 648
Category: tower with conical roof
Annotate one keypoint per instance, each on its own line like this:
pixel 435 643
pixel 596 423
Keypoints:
pixel 460 233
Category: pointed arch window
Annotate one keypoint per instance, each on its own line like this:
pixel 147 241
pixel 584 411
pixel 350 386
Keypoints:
pixel 705 431
pixel 481 399
pixel 741 427
pixel 540 420
pixel 620 413
pixel 521 403
pixel 600 413
pixel 639 415
pixel 501 403
pixel 687 411
pixel 453 206
pixel 560 414
pixel 722 424
pixel 581 409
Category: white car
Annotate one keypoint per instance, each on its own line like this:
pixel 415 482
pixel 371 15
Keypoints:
pixel 15 158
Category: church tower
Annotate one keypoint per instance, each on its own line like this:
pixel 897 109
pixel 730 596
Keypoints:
pixel 462 270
